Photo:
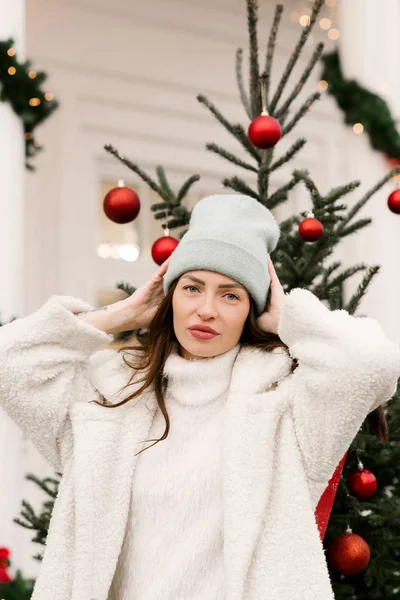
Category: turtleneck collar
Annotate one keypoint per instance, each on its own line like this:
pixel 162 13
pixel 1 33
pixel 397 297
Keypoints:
pixel 198 381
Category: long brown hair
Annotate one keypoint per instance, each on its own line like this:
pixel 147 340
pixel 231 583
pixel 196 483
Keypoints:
pixel 156 345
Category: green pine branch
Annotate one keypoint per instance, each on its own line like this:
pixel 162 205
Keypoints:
pixel 254 69
pixel 230 157
pixel 239 80
pixel 295 55
pixel 234 129
pixel 172 206
pixel 302 81
pixel 271 51
pixel 304 108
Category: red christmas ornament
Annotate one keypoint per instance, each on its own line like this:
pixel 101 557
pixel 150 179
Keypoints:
pixel 310 229
pixel 163 248
pixel 4 576
pixel 362 483
pixel 394 202
pixel 349 554
pixel 121 204
pixel 264 132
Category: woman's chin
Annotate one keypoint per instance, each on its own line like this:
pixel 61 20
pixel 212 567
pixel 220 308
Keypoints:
pixel 198 349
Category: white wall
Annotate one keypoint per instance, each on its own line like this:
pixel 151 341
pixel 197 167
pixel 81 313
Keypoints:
pixel 127 73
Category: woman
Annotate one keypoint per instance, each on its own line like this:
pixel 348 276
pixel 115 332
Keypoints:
pixel 251 422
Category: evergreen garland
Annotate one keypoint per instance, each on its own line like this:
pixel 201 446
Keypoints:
pixel 20 86
pixel 362 106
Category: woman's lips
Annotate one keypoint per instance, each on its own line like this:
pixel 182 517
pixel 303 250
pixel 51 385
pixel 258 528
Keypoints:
pixel 202 335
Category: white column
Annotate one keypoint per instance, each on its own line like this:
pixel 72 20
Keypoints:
pixel 12 192
pixel 370 53
pixel 12 177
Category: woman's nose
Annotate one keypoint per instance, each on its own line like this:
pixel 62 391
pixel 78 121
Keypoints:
pixel 206 309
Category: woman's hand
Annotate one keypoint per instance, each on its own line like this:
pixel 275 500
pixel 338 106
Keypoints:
pixel 146 300
pixel 268 321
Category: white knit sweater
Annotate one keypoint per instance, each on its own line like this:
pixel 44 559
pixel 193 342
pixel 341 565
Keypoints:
pixel 173 542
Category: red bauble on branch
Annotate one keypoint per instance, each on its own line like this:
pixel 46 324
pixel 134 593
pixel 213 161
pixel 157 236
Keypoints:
pixel 394 202
pixel 362 483
pixel 264 132
pixel 349 554
pixel 121 204
pixel 163 248
pixel 310 229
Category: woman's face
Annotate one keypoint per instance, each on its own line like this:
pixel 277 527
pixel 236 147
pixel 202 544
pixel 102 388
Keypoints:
pixel 210 299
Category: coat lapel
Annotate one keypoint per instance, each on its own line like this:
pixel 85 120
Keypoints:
pixel 250 424
pixel 106 440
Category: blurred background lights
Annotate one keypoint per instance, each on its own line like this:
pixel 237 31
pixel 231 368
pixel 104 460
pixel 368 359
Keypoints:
pixel 333 34
pixel 127 252
pixel 358 128
pixel 325 23
pixel 323 85
pixel 304 20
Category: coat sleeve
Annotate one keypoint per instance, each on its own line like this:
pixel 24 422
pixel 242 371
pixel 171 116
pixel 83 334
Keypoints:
pixel 44 370
pixel 347 367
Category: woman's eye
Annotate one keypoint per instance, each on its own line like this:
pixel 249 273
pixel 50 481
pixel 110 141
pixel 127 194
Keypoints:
pixel 193 287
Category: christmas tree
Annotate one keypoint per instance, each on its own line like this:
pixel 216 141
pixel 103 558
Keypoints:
pixel 362 538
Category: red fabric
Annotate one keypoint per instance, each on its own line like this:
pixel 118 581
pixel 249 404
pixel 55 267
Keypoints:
pixel 324 508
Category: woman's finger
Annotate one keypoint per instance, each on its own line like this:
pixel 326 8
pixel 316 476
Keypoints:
pixel 271 269
pixel 162 269
pixel 164 265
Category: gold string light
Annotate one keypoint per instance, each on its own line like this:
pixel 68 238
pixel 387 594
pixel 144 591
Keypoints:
pixel 325 23
pixel 48 96
pixel 358 128
pixel 32 74
pixel 333 34
pixel 11 52
pixel 11 70
pixel 323 85
pixel 305 20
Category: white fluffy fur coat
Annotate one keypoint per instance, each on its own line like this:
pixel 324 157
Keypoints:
pixel 283 436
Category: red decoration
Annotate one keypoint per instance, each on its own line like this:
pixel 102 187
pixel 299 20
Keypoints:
pixel 264 132
pixel 394 202
pixel 4 576
pixel 362 484
pixel 324 507
pixel 310 229
pixel 163 248
pixel 349 554
pixel 393 162
pixel 121 204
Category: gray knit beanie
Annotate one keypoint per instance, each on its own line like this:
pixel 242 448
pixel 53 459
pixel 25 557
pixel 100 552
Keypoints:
pixel 230 234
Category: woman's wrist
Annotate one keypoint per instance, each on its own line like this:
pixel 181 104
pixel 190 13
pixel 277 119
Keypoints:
pixel 111 319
